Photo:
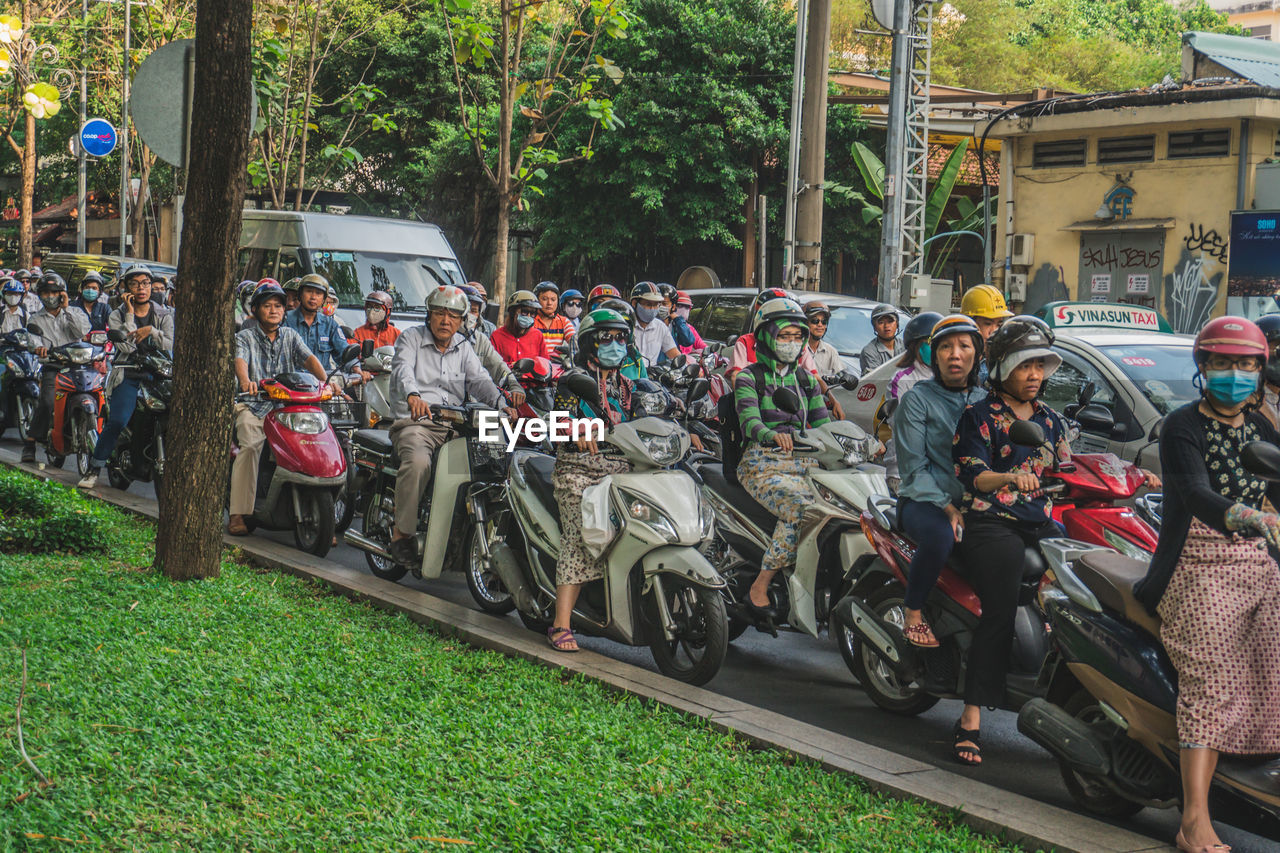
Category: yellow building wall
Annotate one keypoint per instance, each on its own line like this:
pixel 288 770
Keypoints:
pixel 1188 201
pixel 1258 18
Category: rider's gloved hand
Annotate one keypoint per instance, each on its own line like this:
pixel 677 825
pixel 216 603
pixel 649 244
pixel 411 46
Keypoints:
pixel 1241 517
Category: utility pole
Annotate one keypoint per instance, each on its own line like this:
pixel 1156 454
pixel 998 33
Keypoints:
pixel 124 136
pixel 813 147
pixel 895 156
pixel 793 147
pixel 82 170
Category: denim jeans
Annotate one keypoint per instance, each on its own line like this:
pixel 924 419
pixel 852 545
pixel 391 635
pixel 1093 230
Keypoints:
pixel 123 401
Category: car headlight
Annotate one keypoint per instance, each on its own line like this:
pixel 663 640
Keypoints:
pixel 642 510
pixel 836 501
pixel 307 423
pixel 662 449
pixel 1124 546
pixel 79 355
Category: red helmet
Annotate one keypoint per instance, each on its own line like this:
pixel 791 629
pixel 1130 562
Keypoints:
pixel 684 299
pixel 1231 336
pixel 603 291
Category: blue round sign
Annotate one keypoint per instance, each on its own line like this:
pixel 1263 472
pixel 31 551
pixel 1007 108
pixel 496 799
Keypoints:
pixel 98 137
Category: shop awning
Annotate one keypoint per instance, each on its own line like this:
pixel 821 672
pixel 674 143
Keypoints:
pixel 1120 225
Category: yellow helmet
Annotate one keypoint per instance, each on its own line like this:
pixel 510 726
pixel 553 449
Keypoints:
pixel 984 301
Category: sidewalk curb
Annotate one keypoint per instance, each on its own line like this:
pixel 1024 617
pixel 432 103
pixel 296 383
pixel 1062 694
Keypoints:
pixel 1010 816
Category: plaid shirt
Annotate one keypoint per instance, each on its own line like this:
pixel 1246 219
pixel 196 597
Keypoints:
pixel 267 358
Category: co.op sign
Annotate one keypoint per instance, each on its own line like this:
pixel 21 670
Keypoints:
pixel 98 137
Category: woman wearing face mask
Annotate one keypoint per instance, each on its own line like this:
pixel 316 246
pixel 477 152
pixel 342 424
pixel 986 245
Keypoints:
pixel 1212 581
pixel 768 470
pixel 571 306
pixel 604 338
pixel 686 336
pixel 377 326
pixel 518 338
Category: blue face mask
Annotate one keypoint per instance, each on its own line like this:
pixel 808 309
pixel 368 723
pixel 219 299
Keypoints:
pixel 1231 387
pixel 523 321
pixel 611 354
pixel 926 353
pixel 89 294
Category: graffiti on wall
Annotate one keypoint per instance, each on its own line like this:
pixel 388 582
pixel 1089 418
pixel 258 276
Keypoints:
pixel 1046 286
pixel 1191 292
pixel 1206 242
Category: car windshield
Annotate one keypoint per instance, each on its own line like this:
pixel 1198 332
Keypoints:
pixel 850 328
pixel 1163 373
pixel 408 278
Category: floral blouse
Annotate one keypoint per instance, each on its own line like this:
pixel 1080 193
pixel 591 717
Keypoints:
pixel 982 444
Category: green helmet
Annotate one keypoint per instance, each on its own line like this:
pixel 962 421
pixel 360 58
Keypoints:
pixel 589 329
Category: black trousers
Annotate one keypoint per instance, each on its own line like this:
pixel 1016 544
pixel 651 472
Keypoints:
pixel 42 417
pixel 991 557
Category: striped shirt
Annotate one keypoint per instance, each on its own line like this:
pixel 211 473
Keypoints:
pixel 761 420
pixel 554 332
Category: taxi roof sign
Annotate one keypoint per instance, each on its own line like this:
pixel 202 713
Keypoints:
pixel 1103 315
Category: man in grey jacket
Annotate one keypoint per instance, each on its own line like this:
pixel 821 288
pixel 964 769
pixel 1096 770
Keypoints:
pixel 58 325
pixel 433 366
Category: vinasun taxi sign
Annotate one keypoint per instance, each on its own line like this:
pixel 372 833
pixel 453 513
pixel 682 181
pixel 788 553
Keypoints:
pixel 1102 315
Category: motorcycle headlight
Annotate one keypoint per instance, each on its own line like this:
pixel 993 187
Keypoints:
pixel 649 404
pixel 642 510
pixel 12 365
pixel 162 368
pixel 706 521
pixel 836 501
pixel 79 355
pixel 854 449
pixel 150 400
pixel 662 449
pixel 1124 546
pixel 307 423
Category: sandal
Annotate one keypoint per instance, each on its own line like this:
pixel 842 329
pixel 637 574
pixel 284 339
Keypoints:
pixel 968 755
pixel 921 636
pixel 560 638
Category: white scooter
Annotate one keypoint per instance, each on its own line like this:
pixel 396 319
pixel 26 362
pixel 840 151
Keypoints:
pixel 658 589
pixel 831 539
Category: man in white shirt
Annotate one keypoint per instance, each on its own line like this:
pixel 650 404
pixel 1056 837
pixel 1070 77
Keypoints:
pixel 826 358
pixel 652 336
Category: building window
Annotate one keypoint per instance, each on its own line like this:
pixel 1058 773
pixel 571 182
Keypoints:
pixel 1263 32
pixel 1200 143
pixel 1066 152
pixel 1127 149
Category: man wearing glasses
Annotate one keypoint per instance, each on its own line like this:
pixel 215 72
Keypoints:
pixel 825 357
pixel 433 366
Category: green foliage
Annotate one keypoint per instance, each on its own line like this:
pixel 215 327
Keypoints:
pixel 45 517
pixel 258 712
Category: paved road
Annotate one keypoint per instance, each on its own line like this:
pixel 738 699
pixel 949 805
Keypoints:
pixel 806 678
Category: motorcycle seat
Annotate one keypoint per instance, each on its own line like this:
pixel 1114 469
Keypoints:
pixel 537 470
pixel 1033 566
pixel 1111 576
pixel 373 440
pixel 736 496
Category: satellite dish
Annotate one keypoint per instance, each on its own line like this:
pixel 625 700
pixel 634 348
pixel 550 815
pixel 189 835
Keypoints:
pixel 697 278
pixel 883 12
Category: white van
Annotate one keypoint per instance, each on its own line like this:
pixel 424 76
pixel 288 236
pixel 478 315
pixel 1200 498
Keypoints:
pixel 357 254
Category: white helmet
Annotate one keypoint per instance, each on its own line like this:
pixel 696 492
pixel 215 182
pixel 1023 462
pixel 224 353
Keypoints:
pixel 449 298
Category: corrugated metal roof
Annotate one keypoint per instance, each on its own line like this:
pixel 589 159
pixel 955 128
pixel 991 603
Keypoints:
pixel 1253 59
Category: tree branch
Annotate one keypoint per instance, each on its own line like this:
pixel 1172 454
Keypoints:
pixel 22 748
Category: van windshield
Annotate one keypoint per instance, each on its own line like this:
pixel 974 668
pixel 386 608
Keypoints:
pixel 408 278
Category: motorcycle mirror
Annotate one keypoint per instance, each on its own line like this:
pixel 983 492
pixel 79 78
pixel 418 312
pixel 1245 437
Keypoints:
pixel 366 348
pixel 522 366
pixel 346 331
pixel 1026 434
pixel 786 400
pixel 732 339
pixel 1086 394
pixel 116 336
pixel 693 370
pixel 1154 435
pixel 697 390
pixel 1095 417
pixel 351 353
pixel 668 380
pixel 1262 458
pixel 678 362
pixel 34 329
pixel 887 409
pixel 583 386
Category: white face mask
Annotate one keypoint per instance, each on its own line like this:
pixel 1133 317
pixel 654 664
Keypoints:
pixel 683 312
pixel 789 351
pixel 376 315
pixel 13 299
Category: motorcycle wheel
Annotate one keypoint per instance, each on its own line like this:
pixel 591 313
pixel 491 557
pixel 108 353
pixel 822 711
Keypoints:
pixel 1091 794
pixel 344 510
pixel 26 408
pixel 120 462
pixel 483 583
pixel 376 525
pixel 84 438
pixel 880 682
pixel 538 626
pixel 313 532
pixel 702 640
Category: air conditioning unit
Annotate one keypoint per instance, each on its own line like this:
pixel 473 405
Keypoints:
pixel 1016 284
pixel 1022 250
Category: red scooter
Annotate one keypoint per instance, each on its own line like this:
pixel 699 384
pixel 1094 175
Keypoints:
pixel 303 466
pixel 904 679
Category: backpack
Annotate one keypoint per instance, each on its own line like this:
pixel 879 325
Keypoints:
pixel 732 440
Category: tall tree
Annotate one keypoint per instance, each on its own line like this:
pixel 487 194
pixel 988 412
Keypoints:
pixel 542 57
pixel 189 537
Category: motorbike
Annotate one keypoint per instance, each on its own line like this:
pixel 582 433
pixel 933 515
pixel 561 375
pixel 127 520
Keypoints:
pixel 348 412
pixel 139 451
pixel 466 481
pixel 19 381
pixel 538 377
pixel 830 540
pixel 907 680
pixel 658 589
pixel 303 467
pixel 1108 710
pixel 78 397
pixel 701 416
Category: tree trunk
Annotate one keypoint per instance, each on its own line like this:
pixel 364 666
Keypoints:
pixel 189 538
pixel 26 231
pixel 504 164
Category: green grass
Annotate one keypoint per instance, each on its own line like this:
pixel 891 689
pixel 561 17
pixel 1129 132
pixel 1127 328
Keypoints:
pixel 259 712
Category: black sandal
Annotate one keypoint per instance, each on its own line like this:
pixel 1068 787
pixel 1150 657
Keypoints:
pixel 973 753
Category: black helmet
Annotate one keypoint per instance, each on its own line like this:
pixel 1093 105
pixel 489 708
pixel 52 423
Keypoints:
pixel 668 292
pixel 920 327
pixel 51 282
pixel 1270 326
pixel 265 292
pixel 1020 339
pixel 543 286
pixel 883 310
pixel 624 308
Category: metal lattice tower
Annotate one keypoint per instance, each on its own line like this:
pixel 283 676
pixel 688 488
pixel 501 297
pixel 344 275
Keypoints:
pixel 915 183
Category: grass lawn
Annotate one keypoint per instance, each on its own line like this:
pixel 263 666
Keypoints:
pixel 259 712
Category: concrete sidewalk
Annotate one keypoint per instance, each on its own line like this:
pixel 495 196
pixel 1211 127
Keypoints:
pixel 1015 818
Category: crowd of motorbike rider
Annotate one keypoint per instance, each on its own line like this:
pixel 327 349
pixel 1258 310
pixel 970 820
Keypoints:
pixel 960 383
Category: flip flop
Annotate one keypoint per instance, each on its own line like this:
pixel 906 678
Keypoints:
pixel 560 638
pixel 921 636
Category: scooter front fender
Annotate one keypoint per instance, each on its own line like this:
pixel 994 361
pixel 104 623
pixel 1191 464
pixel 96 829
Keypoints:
pixel 453 471
pixel 683 561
